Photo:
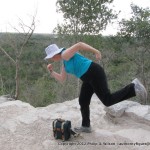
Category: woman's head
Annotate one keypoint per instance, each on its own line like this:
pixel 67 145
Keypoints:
pixel 53 52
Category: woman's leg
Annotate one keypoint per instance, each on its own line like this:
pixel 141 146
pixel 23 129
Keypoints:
pixel 100 87
pixel 98 82
pixel 84 101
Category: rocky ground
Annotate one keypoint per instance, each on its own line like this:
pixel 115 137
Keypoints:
pixel 124 126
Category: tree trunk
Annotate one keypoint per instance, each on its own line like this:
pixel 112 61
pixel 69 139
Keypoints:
pixel 2 85
pixel 17 79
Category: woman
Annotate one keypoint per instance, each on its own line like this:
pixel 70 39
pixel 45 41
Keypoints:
pixel 93 77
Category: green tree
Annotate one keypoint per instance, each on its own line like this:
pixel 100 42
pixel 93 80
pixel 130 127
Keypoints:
pixel 84 16
pixel 138 26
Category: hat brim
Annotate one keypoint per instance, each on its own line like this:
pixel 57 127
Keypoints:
pixel 51 55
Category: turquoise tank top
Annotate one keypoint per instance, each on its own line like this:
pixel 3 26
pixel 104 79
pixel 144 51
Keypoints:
pixel 77 65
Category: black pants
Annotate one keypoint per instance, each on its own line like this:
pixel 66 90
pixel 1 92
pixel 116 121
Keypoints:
pixel 94 81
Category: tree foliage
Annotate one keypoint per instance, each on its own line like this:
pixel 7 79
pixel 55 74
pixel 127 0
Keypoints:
pixel 138 26
pixel 84 17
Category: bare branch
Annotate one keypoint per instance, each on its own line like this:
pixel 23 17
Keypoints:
pixel 7 55
pixel 29 33
pixel 22 25
pixel 13 44
pixel 14 28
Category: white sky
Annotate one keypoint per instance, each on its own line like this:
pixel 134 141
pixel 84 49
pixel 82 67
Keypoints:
pixel 47 18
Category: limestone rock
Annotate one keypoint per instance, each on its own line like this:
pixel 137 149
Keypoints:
pixel 118 109
pixel 140 113
pixel 23 127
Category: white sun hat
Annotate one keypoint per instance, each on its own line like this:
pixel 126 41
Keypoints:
pixel 52 50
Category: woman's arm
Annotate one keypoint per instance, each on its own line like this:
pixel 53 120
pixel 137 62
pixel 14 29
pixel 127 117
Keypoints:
pixel 59 77
pixel 68 53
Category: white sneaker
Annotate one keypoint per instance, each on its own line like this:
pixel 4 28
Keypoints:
pixel 83 129
pixel 140 89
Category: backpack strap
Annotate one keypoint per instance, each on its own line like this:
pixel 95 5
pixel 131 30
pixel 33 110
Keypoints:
pixel 62 130
pixel 75 134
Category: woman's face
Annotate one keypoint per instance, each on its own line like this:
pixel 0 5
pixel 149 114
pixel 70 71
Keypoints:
pixel 56 58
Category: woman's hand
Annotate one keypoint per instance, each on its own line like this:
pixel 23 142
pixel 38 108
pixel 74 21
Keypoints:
pixel 50 67
pixel 59 77
pixel 98 55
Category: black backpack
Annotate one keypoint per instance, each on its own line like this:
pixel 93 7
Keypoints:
pixel 62 129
